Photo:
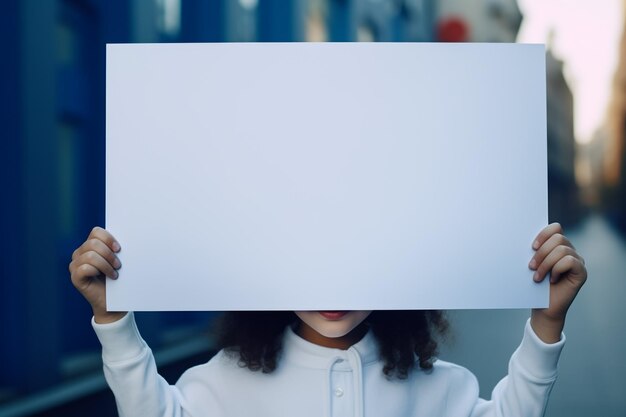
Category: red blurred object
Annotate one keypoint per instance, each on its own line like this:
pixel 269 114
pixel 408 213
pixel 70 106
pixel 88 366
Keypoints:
pixel 452 29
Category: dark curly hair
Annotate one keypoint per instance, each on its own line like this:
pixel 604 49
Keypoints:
pixel 255 337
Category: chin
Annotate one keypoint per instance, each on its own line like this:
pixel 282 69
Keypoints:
pixel 333 324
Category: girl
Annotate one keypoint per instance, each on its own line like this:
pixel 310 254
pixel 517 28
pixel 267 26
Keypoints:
pixel 330 363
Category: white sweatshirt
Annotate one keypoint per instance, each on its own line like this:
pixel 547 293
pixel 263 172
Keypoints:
pixel 315 381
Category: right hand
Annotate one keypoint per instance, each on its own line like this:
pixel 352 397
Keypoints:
pixel 92 262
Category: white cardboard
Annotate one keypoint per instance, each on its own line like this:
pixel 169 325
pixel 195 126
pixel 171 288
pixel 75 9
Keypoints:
pixel 325 176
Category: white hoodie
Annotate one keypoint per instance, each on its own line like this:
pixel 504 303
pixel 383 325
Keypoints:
pixel 315 381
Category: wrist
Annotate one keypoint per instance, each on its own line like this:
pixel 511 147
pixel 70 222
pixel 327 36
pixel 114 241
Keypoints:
pixel 108 317
pixel 547 328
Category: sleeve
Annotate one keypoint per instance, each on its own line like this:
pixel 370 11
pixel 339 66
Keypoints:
pixel 130 371
pixel 524 392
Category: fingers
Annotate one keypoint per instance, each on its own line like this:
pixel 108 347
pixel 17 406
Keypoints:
pixel 551 248
pixel 106 237
pixel 82 271
pixel 552 258
pixel 547 247
pixel 96 257
pixel 569 264
pixel 97 263
pixel 98 234
pixel 98 246
pixel 546 233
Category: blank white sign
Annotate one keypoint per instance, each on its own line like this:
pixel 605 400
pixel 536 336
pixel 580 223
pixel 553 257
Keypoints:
pixel 325 176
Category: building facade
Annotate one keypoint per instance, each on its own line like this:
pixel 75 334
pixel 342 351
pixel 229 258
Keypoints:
pixel 614 196
pixel 53 159
pixel 563 196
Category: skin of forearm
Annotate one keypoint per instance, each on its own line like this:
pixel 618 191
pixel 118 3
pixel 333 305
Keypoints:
pixel 546 328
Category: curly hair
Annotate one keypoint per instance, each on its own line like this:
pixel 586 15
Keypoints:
pixel 255 337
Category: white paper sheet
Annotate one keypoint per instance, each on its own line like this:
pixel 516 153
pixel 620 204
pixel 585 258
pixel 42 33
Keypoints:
pixel 325 176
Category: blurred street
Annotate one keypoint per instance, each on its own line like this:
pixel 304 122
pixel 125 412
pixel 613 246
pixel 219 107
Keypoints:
pixel 592 365
pixel 53 174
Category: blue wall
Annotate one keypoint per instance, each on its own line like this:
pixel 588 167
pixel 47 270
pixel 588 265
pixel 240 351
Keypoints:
pixel 52 169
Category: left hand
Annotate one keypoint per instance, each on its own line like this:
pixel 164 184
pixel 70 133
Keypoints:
pixel 557 256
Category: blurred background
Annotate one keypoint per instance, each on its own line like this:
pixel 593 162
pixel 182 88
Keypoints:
pixel 52 162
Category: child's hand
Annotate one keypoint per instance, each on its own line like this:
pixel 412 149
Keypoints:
pixel 555 255
pixel 91 263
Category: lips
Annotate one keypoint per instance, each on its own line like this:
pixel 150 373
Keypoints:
pixel 333 315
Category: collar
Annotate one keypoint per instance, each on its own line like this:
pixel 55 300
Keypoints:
pixel 305 354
